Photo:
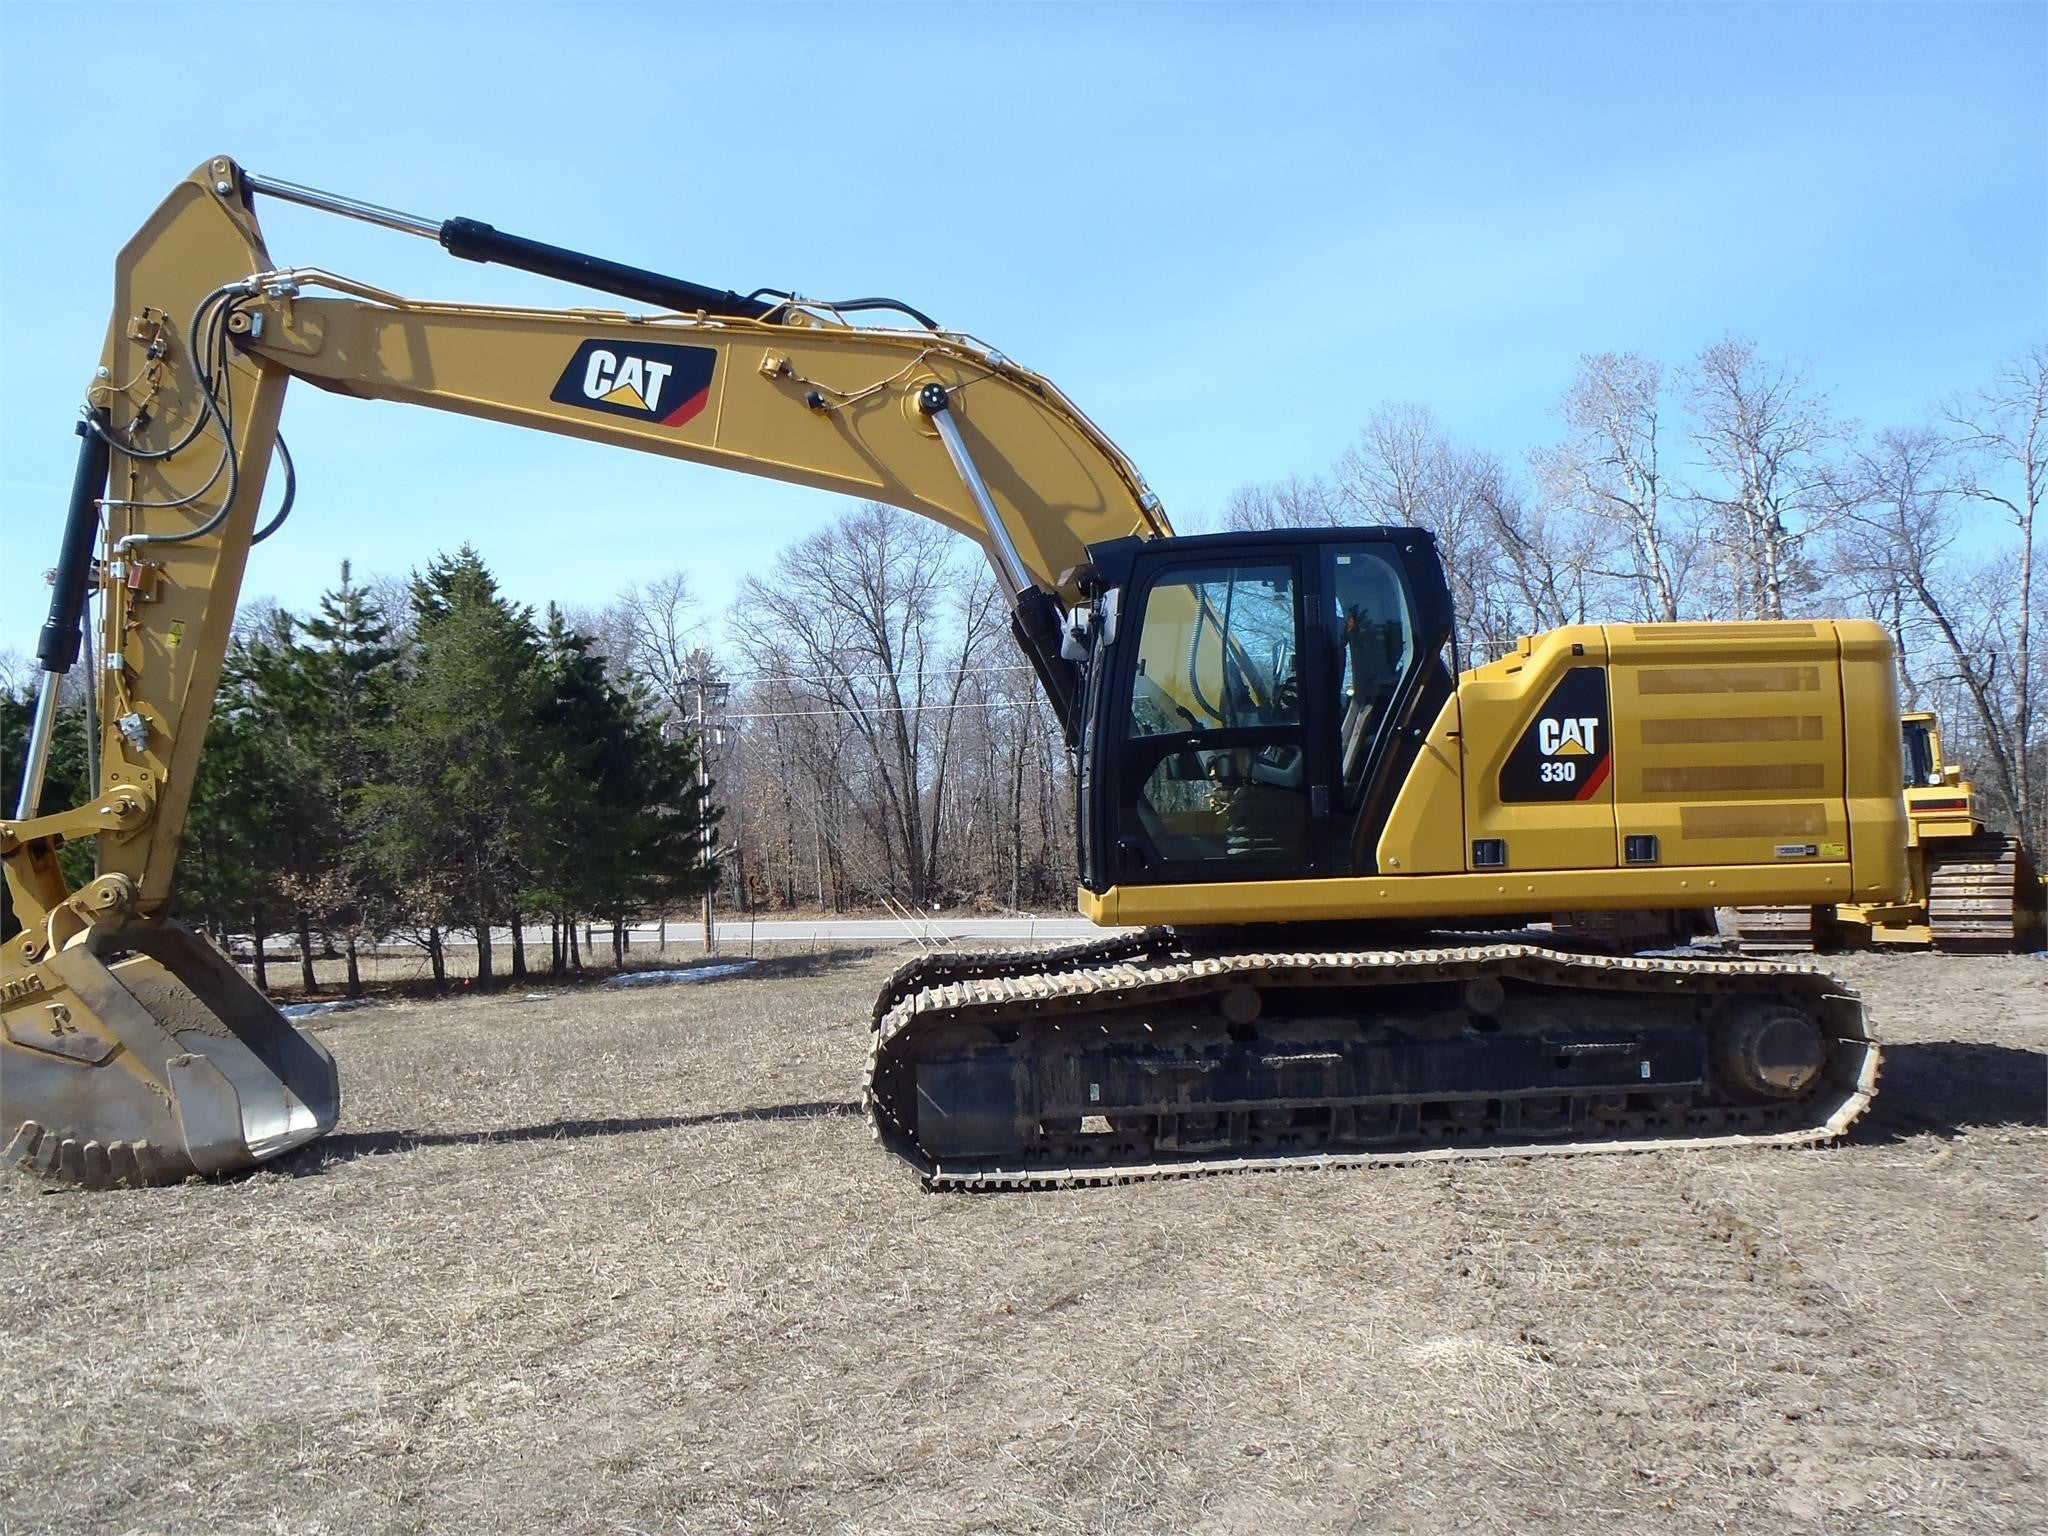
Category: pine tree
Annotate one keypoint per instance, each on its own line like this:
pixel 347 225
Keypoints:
pixel 304 837
pixel 569 826
pixel 64 778
pixel 353 668
pixel 675 832
pixel 247 843
pixel 454 833
pixel 626 818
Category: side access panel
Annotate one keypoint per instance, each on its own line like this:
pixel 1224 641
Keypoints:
pixel 1760 744
pixel 1539 756
pixel 1734 735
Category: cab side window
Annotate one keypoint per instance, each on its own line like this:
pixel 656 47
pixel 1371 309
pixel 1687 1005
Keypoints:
pixel 1217 652
pixel 1373 634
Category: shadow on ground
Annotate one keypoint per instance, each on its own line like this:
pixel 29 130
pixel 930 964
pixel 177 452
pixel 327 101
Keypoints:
pixel 1941 1087
pixel 347 1146
pixel 1949 1086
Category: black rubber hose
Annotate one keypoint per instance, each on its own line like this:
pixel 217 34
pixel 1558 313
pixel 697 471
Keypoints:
pixel 851 306
pixel 291 494
pixel 211 302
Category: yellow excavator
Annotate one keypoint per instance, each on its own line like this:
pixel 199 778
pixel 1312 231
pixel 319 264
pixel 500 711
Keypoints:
pixel 1971 889
pixel 1331 843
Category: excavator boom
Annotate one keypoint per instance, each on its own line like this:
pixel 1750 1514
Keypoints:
pixel 207 333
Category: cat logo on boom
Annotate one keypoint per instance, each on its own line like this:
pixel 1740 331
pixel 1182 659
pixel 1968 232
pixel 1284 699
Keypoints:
pixel 643 380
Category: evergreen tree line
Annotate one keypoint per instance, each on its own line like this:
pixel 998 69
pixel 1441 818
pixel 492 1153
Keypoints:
pixel 452 767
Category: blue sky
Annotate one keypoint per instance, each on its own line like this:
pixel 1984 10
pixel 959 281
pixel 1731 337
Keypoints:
pixel 1226 231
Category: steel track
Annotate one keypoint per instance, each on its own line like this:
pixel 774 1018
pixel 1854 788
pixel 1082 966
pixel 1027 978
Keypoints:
pixel 1120 989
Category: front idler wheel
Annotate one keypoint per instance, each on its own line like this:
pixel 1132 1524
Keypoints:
pixel 1768 1050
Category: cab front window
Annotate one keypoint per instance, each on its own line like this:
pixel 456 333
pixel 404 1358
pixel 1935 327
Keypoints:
pixel 1215 724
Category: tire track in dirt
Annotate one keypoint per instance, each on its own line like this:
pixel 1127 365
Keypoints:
pixel 1637 1309
pixel 1822 1363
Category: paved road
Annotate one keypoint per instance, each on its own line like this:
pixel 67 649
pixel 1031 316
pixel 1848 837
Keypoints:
pixel 736 931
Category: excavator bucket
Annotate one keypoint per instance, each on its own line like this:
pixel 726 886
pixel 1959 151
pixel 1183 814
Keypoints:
pixel 153 1066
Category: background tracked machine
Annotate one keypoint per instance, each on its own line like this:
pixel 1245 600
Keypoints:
pixel 1971 889
pixel 1280 778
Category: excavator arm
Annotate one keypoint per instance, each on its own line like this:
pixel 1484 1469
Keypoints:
pixel 177 440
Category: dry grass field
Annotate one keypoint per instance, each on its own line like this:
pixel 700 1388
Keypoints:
pixel 625 1260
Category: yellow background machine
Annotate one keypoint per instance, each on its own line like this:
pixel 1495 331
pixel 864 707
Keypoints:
pixel 1970 889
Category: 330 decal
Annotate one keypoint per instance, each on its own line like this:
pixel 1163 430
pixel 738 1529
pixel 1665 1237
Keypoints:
pixel 1563 755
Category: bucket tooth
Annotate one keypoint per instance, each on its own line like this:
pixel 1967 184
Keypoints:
pixel 21 1147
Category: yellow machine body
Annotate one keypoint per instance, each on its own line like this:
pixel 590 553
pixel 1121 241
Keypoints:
pixel 1968 887
pixel 1759 757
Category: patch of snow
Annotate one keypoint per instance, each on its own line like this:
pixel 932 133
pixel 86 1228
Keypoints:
pixel 688 973
pixel 309 1010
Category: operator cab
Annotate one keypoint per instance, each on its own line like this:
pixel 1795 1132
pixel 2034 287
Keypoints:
pixel 1920 751
pixel 1254 700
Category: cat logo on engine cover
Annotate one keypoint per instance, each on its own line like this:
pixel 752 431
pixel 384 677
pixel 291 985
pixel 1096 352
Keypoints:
pixel 643 380
pixel 1564 752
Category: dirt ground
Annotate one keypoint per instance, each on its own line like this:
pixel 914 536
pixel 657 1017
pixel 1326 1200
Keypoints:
pixel 625 1260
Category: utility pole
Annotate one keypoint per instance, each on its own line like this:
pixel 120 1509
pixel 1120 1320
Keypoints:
pixel 710 693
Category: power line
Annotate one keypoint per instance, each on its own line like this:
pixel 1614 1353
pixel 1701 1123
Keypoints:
pixel 882 709
pixel 870 677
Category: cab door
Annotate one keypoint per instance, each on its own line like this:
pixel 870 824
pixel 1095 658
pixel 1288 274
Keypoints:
pixel 1213 764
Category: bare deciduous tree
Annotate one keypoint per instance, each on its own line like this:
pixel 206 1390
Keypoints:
pixel 1766 435
pixel 1548 558
pixel 1609 468
pixel 1954 609
pixel 881 626
pixel 652 632
pixel 790 781
pixel 1299 501
pixel 1512 566
pixel 2001 433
